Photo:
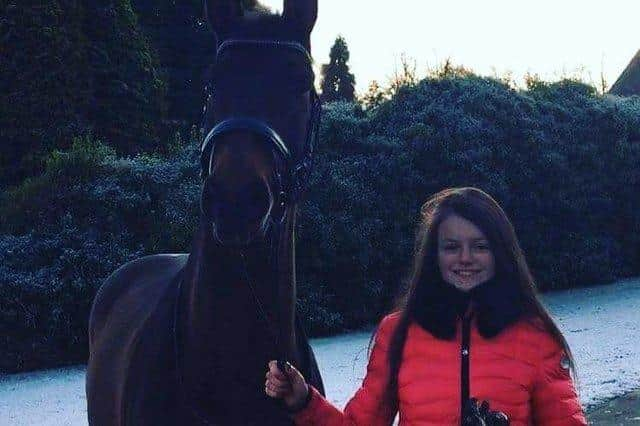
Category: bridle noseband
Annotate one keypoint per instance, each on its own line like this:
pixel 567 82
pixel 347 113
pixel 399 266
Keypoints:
pixel 291 177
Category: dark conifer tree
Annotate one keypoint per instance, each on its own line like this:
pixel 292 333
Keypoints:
pixel 68 67
pixel 184 45
pixel 337 81
pixel 44 83
pixel 128 87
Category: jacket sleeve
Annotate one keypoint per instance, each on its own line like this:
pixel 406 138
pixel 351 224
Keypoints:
pixel 554 398
pixel 366 407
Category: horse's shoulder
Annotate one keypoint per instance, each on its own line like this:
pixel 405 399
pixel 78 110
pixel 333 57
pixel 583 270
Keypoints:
pixel 129 319
pixel 155 263
pixel 141 278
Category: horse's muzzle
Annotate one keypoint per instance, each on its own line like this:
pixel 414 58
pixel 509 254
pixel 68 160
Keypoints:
pixel 237 220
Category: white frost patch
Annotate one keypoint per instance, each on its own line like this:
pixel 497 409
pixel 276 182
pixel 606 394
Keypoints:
pixel 48 398
pixel 602 325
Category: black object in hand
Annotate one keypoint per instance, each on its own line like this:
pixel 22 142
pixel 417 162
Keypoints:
pixel 282 365
pixel 471 415
pixel 497 418
pixel 481 415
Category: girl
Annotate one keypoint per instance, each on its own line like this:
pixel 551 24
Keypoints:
pixel 469 329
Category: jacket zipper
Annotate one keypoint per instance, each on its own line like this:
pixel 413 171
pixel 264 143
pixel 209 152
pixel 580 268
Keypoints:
pixel 465 347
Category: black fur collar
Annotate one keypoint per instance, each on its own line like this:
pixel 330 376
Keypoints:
pixel 495 305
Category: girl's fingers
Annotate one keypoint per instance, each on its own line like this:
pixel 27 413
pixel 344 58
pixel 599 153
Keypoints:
pixel 276 391
pixel 288 385
pixel 274 370
pixel 271 393
pixel 276 381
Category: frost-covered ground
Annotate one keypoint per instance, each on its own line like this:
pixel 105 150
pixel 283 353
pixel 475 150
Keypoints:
pixel 602 325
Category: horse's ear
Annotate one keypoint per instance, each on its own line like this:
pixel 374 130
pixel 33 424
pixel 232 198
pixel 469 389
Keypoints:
pixel 302 13
pixel 222 14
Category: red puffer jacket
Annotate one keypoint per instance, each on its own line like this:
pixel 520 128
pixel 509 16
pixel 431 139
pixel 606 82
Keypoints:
pixel 520 372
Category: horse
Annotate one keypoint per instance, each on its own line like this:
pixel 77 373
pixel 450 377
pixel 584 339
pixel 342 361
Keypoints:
pixel 185 338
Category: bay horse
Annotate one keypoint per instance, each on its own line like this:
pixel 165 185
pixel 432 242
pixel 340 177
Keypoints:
pixel 184 339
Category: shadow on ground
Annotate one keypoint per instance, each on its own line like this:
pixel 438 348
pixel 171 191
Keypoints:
pixel 620 411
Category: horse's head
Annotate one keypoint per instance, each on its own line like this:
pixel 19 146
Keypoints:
pixel 260 120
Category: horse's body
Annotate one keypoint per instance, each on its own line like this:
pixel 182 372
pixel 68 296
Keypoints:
pixel 132 374
pixel 185 339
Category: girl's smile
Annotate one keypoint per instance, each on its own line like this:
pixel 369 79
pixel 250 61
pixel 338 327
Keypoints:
pixel 464 254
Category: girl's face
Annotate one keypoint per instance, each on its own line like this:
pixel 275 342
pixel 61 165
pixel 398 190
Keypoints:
pixel 464 255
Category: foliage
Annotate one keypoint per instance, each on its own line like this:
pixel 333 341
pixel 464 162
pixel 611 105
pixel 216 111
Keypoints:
pixel 185 47
pixel 374 97
pixel 558 157
pixel 449 70
pixel 68 67
pixel 338 83
pixel 64 232
pixel 406 77
pixel 561 160
pixel 47 282
pixel 128 87
pixel 43 96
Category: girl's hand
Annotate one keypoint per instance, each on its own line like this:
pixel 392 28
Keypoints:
pixel 288 385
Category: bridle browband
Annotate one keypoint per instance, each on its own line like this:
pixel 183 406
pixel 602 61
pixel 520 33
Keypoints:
pixel 292 177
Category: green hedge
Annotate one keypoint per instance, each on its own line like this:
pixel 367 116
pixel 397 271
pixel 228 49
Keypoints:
pixel 562 160
pixel 68 67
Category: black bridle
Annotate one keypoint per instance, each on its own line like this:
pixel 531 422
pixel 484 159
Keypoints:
pixel 292 177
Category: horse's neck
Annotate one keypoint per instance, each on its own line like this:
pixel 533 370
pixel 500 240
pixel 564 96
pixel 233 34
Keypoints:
pixel 229 288
pixel 230 311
